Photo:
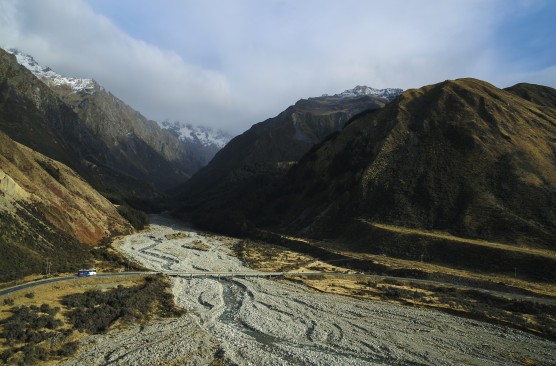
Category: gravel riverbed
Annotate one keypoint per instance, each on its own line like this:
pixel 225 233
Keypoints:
pixel 259 321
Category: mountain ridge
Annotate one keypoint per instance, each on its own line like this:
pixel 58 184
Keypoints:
pixel 51 77
pixel 124 155
pixel 455 156
pixel 261 155
pixel 199 143
pixel 388 93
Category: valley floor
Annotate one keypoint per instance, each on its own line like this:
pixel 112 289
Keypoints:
pixel 258 321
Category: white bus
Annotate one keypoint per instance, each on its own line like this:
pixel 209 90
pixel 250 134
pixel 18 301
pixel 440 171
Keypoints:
pixel 86 272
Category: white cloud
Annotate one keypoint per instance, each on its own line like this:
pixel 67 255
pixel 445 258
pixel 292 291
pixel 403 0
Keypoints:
pixel 73 40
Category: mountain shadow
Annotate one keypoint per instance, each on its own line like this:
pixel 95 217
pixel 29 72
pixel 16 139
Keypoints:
pixel 249 164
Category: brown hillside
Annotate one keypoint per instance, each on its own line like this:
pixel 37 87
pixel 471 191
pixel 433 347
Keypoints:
pixel 47 212
pixel 460 156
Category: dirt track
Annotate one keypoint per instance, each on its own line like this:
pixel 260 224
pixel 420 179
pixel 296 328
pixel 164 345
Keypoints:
pixel 255 321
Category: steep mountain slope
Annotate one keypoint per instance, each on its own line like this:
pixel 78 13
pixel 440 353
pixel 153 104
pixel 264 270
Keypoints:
pixel 134 146
pixel 257 157
pixel 48 214
pixel 460 156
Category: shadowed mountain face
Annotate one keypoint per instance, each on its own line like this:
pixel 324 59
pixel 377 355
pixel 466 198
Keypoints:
pixel 48 213
pixel 136 146
pixel 460 156
pixel 266 151
pixel 112 146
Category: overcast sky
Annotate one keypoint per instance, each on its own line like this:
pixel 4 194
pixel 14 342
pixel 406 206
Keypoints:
pixel 231 63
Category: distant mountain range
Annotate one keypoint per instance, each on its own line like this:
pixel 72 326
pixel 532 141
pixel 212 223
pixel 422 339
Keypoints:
pixel 205 141
pixel 389 93
pixel 200 136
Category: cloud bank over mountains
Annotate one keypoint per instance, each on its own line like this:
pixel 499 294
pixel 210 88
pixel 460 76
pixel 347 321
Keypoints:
pixel 229 64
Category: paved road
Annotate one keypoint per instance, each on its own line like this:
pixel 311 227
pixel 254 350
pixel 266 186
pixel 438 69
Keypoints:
pixel 23 286
pixel 542 300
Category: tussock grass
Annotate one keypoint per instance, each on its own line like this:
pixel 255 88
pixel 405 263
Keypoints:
pixel 450 237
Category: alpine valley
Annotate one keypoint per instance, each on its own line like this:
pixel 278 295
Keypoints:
pixel 372 226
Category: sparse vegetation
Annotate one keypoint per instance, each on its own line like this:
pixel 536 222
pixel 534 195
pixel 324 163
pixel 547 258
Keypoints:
pixel 111 259
pixel 32 333
pixel 197 245
pixel 95 311
pixel 25 244
pixel 527 315
pixel 174 236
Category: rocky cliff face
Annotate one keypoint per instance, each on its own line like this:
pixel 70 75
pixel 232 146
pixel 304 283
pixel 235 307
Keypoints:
pixel 48 213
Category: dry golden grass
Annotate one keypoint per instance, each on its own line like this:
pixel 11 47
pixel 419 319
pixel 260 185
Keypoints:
pixel 179 235
pixel 197 245
pixel 274 258
pixel 540 288
pixel 448 236
pixel 52 293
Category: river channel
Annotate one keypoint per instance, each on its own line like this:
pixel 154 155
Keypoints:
pixel 260 321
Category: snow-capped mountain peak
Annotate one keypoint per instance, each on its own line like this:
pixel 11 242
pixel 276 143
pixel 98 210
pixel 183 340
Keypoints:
pixel 201 135
pixel 388 93
pixel 49 76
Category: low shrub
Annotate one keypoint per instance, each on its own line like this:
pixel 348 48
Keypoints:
pixel 95 311
pixel 68 349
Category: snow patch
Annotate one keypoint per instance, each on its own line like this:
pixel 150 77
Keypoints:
pixel 360 90
pixel 49 76
pixel 201 135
